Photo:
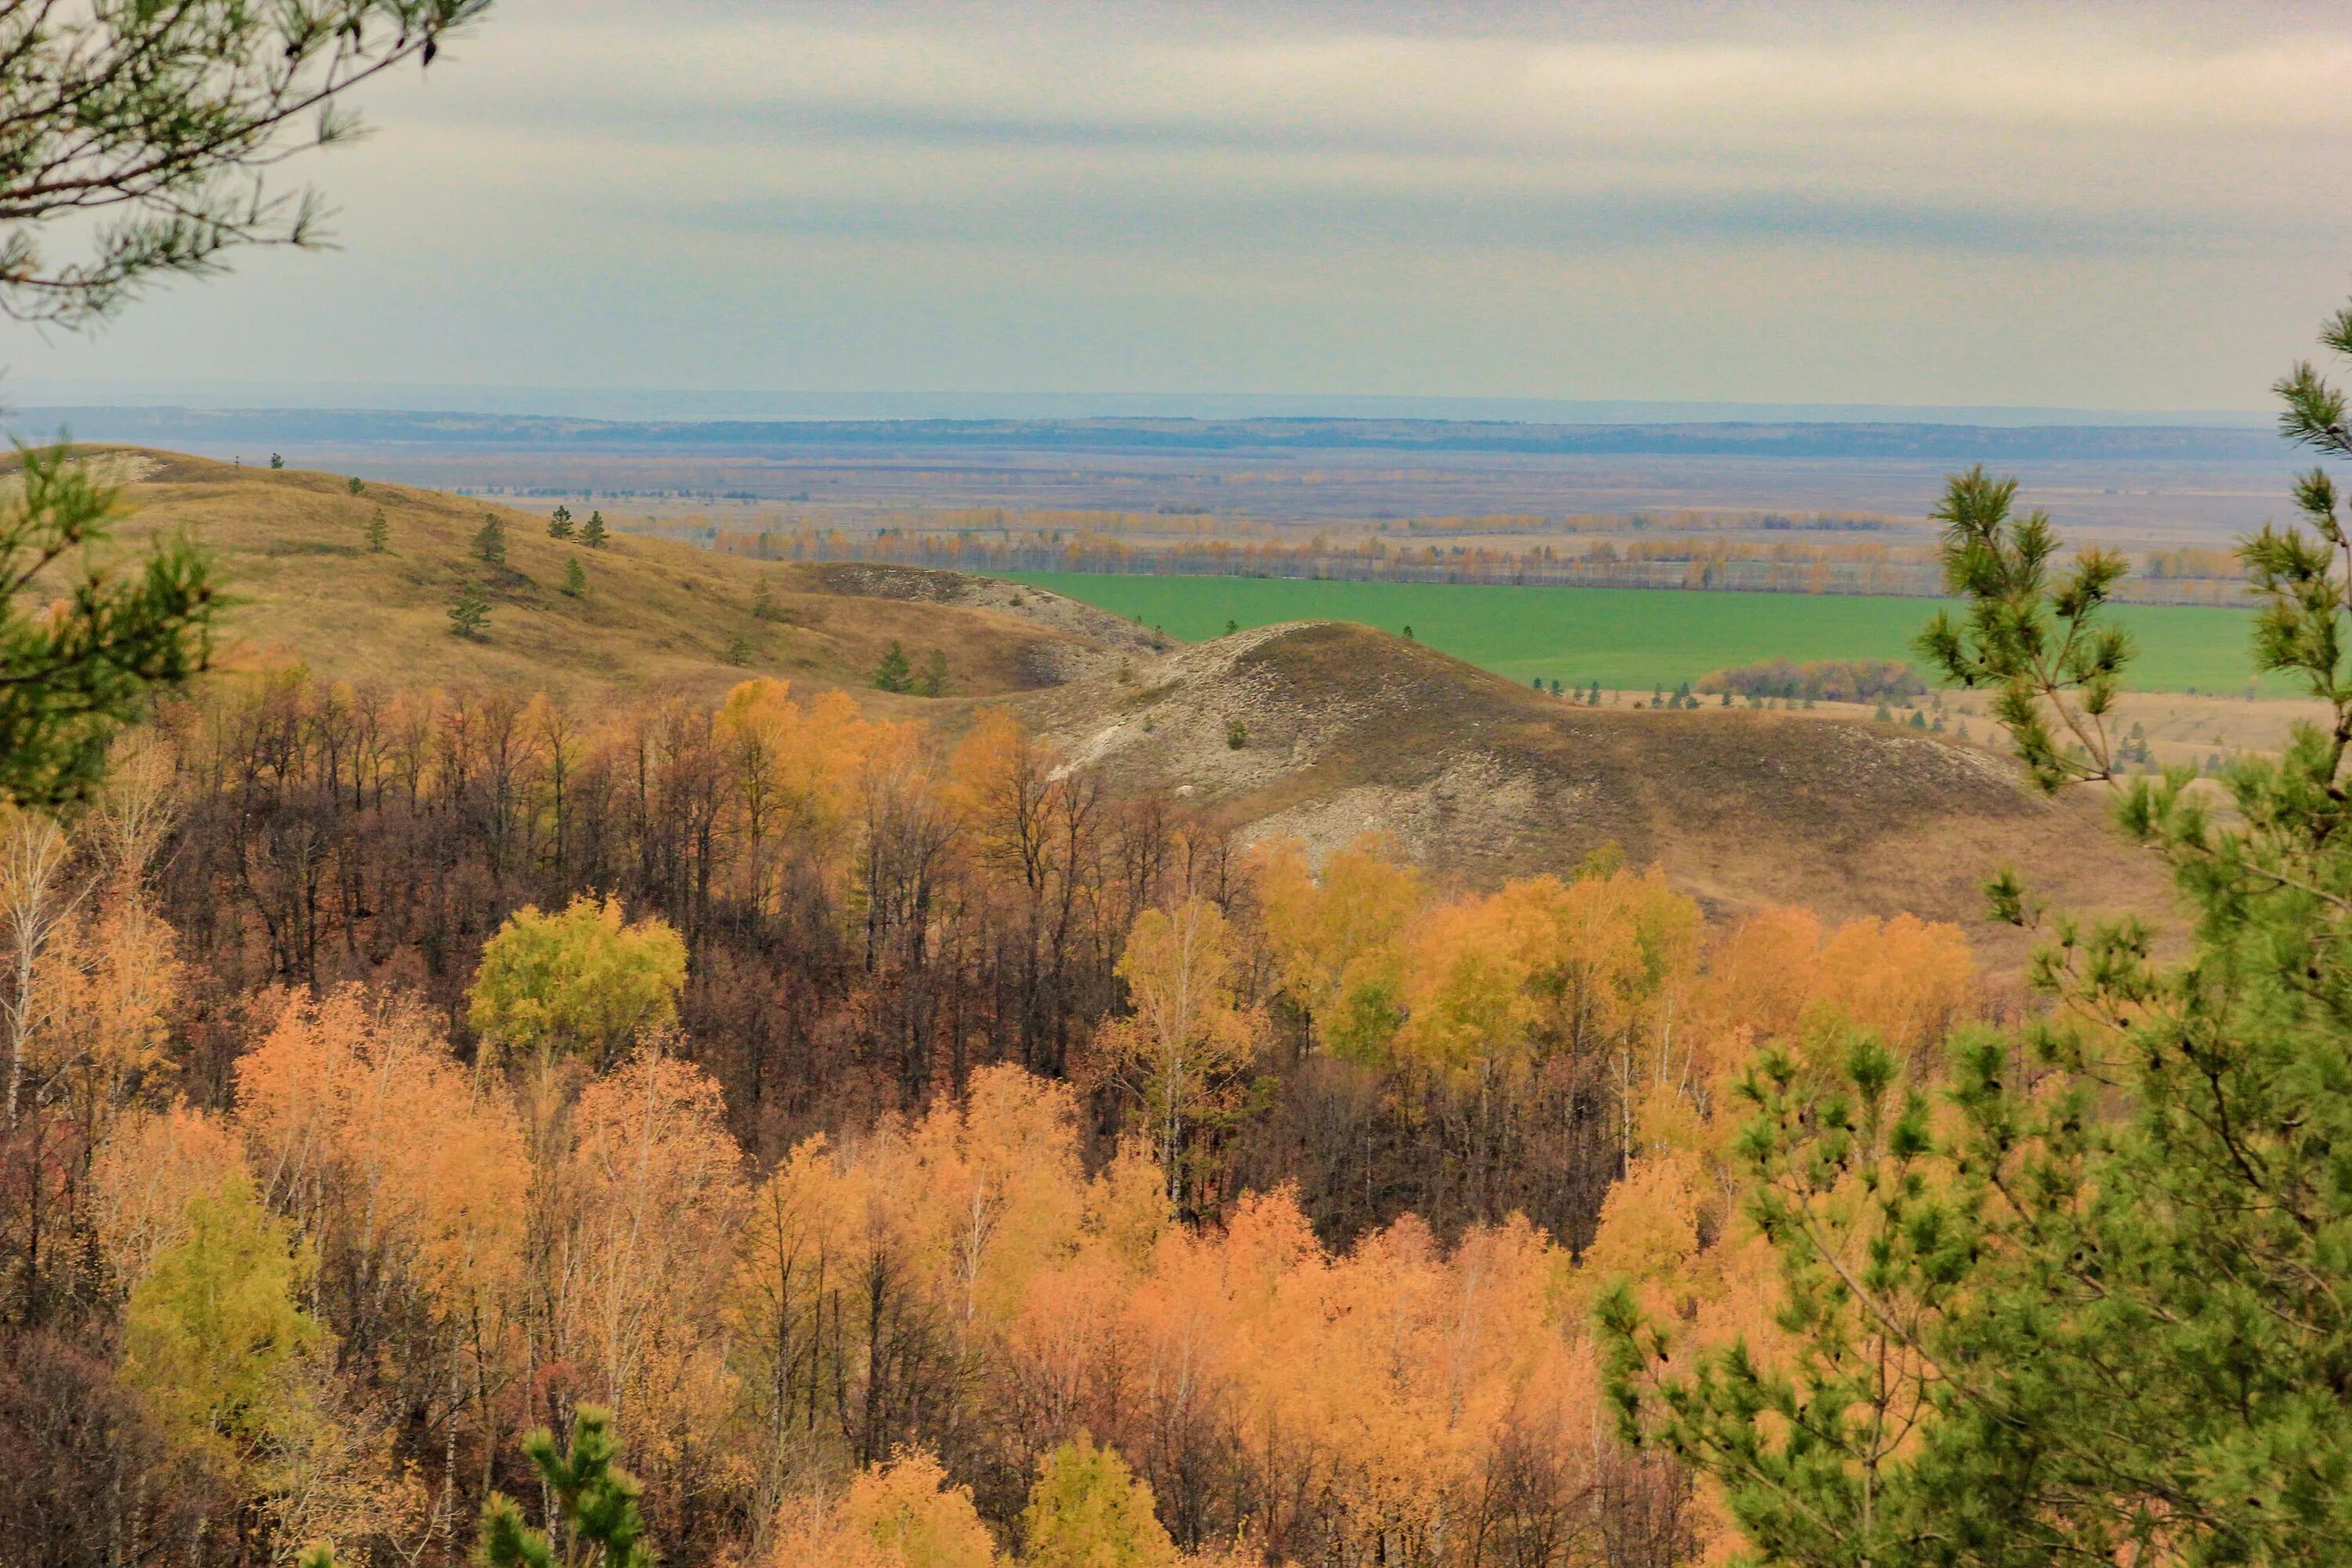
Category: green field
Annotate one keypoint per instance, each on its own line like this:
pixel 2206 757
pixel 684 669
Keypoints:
pixel 1633 638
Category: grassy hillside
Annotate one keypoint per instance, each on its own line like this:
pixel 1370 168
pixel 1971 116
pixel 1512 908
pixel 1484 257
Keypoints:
pixel 1344 730
pixel 1631 638
pixel 656 615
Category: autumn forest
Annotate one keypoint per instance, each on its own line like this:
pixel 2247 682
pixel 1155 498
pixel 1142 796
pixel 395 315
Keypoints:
pixel 548 1047
pixel 886 1130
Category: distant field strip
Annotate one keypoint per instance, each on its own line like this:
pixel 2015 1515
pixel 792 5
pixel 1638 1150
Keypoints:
pixel 1630 638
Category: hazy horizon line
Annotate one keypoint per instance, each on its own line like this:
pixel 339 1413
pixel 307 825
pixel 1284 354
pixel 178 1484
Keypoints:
pixel 35 396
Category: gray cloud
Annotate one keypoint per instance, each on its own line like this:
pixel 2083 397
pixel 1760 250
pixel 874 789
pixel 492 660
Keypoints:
pixel 1919 203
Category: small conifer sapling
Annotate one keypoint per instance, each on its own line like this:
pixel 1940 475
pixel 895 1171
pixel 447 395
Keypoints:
pixel 469 617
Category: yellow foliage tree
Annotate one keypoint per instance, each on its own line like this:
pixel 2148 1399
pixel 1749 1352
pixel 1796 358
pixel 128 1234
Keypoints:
pixel 903 1514
pixel 145 1175
pixel 657 1200
pixel 583 981
pixel 795 769
pixel 1182 1051
pixel 213 1334
pixel 1088 1509
pixel 1339 937
pixel 363 1126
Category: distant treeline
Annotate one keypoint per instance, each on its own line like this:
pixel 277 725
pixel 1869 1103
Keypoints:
pixel 1822 681
pixel 1865 567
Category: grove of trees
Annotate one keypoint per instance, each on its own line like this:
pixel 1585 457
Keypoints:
pixel 907 1139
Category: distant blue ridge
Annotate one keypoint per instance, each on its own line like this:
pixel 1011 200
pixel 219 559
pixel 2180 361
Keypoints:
pixel 247 430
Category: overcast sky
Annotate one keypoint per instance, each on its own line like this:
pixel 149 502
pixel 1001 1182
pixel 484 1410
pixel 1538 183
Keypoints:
pixel 2129 206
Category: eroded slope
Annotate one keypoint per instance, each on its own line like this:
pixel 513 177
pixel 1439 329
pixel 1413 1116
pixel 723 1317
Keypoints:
pixel 1343 730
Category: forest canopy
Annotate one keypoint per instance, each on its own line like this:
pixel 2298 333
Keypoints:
pixel 905 1146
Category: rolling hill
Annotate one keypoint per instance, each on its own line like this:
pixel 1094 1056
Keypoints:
pixel 1322 730
pixel 1342 730
pixel 656 615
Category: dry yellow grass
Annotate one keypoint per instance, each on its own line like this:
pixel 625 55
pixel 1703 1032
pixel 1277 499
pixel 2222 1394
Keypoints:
pixel 1342 730
pixel 658 616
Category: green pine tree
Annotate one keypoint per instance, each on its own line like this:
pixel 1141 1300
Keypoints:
pixel 894 673
pixel 592 532
pixel 169 119
pixel 276 461
pixel 354 485
pixel 69 679
pixel 2087 1297
pixel 575 579
pixel 934 681
pixel 597 1500
pixel 739 650
pixel 379 533
pixel 490 539
pixel 763 604
pixel 559 522
pixel 469 617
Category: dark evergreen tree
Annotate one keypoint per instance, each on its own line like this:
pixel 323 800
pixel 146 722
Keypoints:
pixel 141 137
pixel 575 578
pixel 596 1498
pixel 559 522
pixel 70 678
pixel 490 539
pixel 469 617
pixel 2095 1306
pixel 592 532
pixel 934 682
pixel 895 673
